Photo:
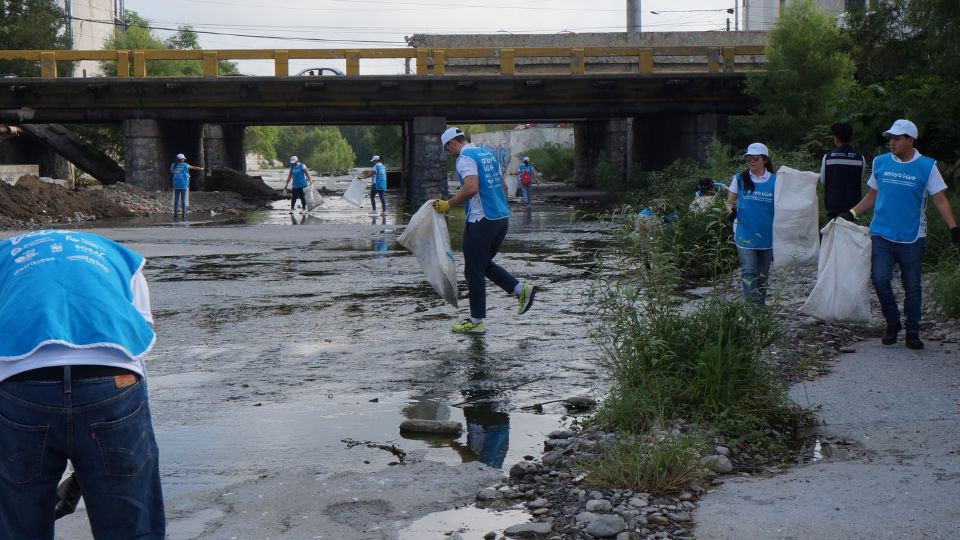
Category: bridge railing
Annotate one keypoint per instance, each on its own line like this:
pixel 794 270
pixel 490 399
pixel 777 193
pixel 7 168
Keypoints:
pixel 433 61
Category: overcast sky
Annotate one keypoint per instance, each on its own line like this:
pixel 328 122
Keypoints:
pixel 384 23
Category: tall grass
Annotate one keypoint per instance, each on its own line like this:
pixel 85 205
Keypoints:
pixel 553 160
pixel 648 463
pixel 945 284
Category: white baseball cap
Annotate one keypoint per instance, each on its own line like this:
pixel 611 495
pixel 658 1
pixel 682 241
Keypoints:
pixel 181 156
pixel 374 158
pixel 293 159
pixel 757 149
pixel 525 158
pixel 902 127
pixel 449 135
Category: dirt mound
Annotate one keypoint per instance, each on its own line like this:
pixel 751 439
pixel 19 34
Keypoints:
pixel 33 201
pixel 224 179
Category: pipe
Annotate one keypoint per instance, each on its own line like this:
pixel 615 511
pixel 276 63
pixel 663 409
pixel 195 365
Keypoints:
pixel 633 15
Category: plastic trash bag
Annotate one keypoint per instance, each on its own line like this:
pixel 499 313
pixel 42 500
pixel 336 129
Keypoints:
pixel 354 193
pixel 426 236
pixel 313 197
pixel 511 186
pixel 842 292
pixel 795 218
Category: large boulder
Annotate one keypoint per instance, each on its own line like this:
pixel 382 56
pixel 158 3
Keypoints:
pixel 226 179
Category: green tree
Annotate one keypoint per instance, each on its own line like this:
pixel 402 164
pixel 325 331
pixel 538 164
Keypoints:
pixel 387 142
pixel 262 140
pixel 322 148
pixel 806 67
pixel 31 24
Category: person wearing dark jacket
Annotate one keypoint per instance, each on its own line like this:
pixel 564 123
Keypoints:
pixel 841 172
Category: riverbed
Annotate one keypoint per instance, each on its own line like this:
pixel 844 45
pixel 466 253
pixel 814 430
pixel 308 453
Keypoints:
pixel 284 337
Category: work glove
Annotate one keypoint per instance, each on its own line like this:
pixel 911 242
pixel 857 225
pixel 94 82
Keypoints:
pixel 955 236
pixel 848 215
pixel 285 194
pixel 732 216
pixel 441 206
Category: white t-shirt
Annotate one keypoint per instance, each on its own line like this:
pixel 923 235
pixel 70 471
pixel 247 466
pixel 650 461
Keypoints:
pixel 60 355
pixel 733 188
pixel 466 166
pixel 935 184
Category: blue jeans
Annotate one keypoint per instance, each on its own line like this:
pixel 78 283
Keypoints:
pixel 754 271
pixel 526 193
pixel 373 200
pixel 298 193
pixel 481 242
pixel 180 201
pixel 105 431
pixel 884 254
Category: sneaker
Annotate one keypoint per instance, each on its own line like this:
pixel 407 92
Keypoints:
pixel 890 334
pixel 467 326
pixel 913 341
pixel 525 298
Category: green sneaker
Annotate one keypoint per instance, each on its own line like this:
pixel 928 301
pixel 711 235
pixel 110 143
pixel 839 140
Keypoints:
pixel 467 326
pixel 525 298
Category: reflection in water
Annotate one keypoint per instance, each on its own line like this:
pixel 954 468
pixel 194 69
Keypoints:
pixel 527 218
pixel 488 428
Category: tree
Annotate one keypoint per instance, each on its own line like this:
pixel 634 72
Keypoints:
pixel 387 142
pixel 806 67
pixel 262 140
pixel 322 148
pixel 31 24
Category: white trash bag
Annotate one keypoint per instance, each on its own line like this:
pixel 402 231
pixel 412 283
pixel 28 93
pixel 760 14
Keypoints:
pixel 354 193
pixel 512 186
pixel 313 197
pixel 842 292
pixel 795 218
pixel 426 236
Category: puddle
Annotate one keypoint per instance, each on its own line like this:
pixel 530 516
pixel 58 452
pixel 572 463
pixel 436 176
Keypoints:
pixel 470 522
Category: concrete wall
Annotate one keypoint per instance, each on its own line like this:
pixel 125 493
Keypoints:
pixel 760 15
pixel 511 145
pixel 10 173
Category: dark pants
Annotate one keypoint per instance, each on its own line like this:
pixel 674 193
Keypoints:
pixel 383 199
pixel 481 242
pixel 884 254
pixel 297 193
pixel 180 201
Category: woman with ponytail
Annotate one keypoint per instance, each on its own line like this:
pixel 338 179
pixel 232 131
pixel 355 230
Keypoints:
pixel 750 202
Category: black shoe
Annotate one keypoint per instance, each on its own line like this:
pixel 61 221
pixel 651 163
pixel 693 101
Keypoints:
pixel 890 334
pixel 913 341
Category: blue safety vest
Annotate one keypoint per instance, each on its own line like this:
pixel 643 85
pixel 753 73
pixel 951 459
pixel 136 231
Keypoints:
pixel 490 187
pixel 755 214
pixel 299 175
pixel 901 197
pixel 380 176
pixel 181 175
pixel 71 289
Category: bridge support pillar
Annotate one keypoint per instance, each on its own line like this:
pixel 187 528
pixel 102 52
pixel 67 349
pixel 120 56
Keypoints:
pixel 223 147
pixel 661 140
pixel 144 155
pixel 604 152
pixel 426 176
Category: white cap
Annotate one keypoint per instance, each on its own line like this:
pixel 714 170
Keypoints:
pixel 902 127
pixel 449 135
pixel 374 158
pixel 293 159
pixel 525 158
pixel 181 156
pixel 757 149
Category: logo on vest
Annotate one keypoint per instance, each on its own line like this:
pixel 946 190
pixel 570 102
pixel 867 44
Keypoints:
pixel 26 256
pixel 56 248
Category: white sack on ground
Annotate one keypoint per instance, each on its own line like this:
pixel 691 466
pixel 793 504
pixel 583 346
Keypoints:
pixel 427 237
pixel 313 197
pixel 842 292
pixel 511 186
pixel 795 218
pixel 354 193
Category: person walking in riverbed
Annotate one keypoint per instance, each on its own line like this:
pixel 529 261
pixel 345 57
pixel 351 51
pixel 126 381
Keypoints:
pixel 76 325
pixel 301 179
pixel 899 184
pixel 180 170
pixel 750 202
pixel 378 184
pixel 526 176
pixel 484 196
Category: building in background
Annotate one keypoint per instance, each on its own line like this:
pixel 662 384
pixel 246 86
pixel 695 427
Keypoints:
pixel 91 23
pixel 762 14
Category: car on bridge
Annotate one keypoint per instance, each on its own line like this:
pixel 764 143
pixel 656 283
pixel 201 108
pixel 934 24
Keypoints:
pixel 320 72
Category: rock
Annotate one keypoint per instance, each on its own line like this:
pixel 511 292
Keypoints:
pixel 551 444
pixel 586 517
pixel 717 463
pixel 722 451
pixel 226 179
pixel 560 434
pixel 551 457
pixel 657 519
pixel 679 517
pixel 444 427
pixel 528 530
pixel 608 525
pixel 625 535
pixel 601 505
pixel 580 402
pixel 638 502
pixel 847 350
pixel 488 494
pixel 522 469
pixel 539 502
pixel 490 536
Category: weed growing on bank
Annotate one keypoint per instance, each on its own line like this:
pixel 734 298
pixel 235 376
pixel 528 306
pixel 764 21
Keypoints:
pixel 553 160
pixel 652 463
pixel 945 285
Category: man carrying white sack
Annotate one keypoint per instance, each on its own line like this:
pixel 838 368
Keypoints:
pixel 484 195
pixel 899 185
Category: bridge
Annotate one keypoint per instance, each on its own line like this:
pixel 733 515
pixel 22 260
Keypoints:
pixel 630 105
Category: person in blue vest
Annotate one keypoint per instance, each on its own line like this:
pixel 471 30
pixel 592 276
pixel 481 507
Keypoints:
pixel 750 201
pixel 899 184
pixel 378 184
pixel 301 179
pixel 526 176
pixel 76 325
pixel 483 193
pixel 841 172
pixel 181 183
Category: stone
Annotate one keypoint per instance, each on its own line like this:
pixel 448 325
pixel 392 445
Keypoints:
pixel 581 402
pixel 601 505
pixel 722 451
pixel 445 427
pixel 608 525
pixel 657 519
pixel 490 535
pixel 717 463
pixel 638 502
pixel 528 530
pixel 539 502
pixel 551 457
pixel 522 469
pixel 551 444
pixel 487 494
pixel 679 517
pixel 586 517
pixel 560 434
pixel 596 495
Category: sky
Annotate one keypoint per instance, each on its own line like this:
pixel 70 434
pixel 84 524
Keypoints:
pixel 338 24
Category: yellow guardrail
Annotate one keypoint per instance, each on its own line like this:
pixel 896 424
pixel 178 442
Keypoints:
pixel 429 61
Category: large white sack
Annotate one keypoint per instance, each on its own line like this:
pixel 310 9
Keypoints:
pixel 313 197
pixel 842 292
pixel 511 186
pixel 354 193
pixel 427 237
pixel 795 218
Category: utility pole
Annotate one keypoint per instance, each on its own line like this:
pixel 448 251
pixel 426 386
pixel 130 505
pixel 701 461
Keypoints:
pixel 633 15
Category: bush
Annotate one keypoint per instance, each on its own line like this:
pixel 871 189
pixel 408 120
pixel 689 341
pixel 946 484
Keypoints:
pixel 553 160
pixel 651 463
pixel 945 285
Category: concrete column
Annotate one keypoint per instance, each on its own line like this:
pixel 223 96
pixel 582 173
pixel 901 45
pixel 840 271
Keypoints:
pixel 146 163
pixel 426 174
pixel 661 140
pixel 214 147
pixel 604 153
